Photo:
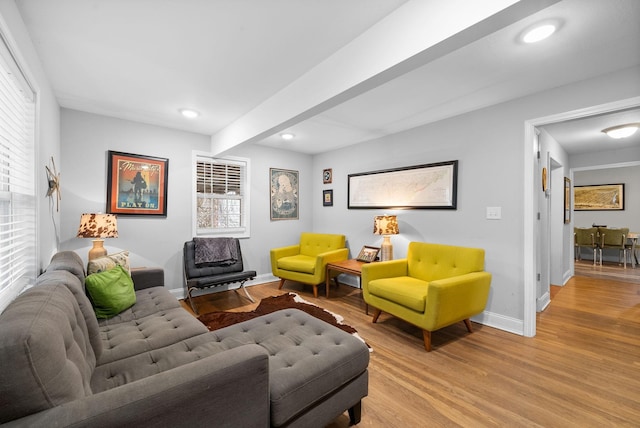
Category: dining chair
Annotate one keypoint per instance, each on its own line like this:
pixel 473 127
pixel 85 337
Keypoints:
pixel 615 238
pixel 585 237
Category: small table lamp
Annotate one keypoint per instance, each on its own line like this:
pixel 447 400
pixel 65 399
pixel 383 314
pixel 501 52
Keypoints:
pixel 386 225
pixel 98 226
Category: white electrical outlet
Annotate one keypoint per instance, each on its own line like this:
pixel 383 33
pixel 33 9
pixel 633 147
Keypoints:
pixel 494 213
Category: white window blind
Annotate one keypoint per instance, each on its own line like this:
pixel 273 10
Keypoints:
pixel 18 262
pixel 221 196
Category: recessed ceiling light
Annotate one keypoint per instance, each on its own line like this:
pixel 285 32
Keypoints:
pixel 539 33
pixel 287 136
pixel 622 131
pixel 189 113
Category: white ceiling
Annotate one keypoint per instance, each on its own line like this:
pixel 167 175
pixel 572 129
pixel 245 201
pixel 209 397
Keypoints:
pixel 144 59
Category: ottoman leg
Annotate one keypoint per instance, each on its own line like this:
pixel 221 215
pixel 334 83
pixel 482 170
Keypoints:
pixel 355 413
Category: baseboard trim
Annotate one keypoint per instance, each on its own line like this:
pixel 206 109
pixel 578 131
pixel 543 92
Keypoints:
pixel 501 322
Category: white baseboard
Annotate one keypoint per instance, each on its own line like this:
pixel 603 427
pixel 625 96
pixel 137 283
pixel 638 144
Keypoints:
pixel 501 322
pixel 543 301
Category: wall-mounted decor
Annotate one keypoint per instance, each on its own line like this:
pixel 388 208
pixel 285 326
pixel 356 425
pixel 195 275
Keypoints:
pixel 327 198
pixel 284 194
pixel 137 184
pixel 600 197
pixel 327 176
pixel 53 180
pixel 368 254
pixel 544 179
pixel 421 186
pixel 567 200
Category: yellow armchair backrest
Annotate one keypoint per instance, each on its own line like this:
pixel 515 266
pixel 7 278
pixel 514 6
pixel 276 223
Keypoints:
pixel 431 262
pixel 312 244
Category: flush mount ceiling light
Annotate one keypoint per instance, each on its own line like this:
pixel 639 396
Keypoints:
pixel 539 33
pixel 287 136
pixel 622 131
pixel 189 113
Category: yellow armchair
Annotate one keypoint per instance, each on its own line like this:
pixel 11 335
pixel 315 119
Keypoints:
pixel 306 262
pixel 435 286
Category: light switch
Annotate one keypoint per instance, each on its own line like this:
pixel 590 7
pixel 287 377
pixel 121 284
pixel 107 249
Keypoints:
pixel 494 213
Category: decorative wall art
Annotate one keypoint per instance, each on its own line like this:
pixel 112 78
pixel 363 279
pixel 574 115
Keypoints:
pixel 414 187
pixel 327 198
pixel 567 200
pixel 600 197
pixel 327 176
pixel 284 194
pixel 137 184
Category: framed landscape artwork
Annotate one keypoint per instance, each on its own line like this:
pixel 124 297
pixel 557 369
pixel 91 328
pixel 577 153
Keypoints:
pixel 137 184
pixel 599 197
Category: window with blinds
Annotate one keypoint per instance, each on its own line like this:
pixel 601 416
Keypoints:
pixel 221 196
pixel 18 261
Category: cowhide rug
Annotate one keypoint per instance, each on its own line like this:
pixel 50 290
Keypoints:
pixel 217 320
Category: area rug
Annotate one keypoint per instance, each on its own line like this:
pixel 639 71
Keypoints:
pixel 217 320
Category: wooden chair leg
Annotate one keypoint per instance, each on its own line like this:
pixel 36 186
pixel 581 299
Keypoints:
pixel 281 283
pixel 376 314
pixel 315 290
pixel 426 336
pixel 467 322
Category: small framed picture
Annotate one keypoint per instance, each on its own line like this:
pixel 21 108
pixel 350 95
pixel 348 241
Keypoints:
pixel 368 254
pixel 327 176
pixel 327 198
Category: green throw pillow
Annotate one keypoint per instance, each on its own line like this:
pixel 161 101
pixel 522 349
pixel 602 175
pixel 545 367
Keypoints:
pixel 111 291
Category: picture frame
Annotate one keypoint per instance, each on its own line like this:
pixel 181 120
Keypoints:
pixel 327 198
pixel 284 199
pixel 599 197
pixel 368 254
pixel 428 186
pixel 567 200
pixel 327 176
pixel 137 184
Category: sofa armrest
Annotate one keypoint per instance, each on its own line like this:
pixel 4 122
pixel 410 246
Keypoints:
pixel 330 256
pixel 229 389
pixel 388 269
pixel 147 278
pixel 454 299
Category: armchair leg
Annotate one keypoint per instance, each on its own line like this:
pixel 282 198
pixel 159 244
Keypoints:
pixel 315 290
pixel 281 283
pixel 467 322
pixel 426 335
pixel 376 314
pixel 355 413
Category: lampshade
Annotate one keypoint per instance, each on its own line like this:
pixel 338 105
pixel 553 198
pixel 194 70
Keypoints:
pixel 385 225
pixel 98 226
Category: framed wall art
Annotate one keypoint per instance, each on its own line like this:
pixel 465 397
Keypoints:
pixel 327 176
pixel 137 184
pixel 327 198
pixel 567 200
pixel 368 254
pixel 599 197
pixel 284 194
pixel 414 187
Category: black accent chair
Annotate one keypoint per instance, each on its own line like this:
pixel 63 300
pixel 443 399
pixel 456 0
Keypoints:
pixel 198 277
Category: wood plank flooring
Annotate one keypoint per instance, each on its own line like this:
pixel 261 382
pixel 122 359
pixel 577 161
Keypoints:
pixel 581 370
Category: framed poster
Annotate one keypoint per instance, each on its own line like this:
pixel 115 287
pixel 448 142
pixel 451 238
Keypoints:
pixel 599 197
pixel 327 198
pixel 137 184
pixel 420 186
pixel 368 254
pixel 567 200
pixel 284 194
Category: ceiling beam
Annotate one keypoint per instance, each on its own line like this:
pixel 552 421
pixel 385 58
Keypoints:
pixel 415 34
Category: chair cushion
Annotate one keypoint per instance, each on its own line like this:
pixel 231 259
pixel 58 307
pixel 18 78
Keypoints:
pixel 298 263
pixel 312 244
pixel 111 291
pixel 404 290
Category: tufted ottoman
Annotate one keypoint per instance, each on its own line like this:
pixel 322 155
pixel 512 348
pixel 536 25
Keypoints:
pixel 316 370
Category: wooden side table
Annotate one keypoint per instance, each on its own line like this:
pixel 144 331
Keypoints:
pixel 351 267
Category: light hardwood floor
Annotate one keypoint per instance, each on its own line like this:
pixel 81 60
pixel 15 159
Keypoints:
pixel 581 370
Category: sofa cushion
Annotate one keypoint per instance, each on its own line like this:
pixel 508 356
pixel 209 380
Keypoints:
pixel 149 301
pixel 404 290
pixel 298 263
pixel 69 261
pixel 45 353
pixel 111 291
pixel 108 262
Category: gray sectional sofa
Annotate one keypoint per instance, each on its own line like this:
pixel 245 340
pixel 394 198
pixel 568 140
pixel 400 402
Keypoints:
pixel 156 365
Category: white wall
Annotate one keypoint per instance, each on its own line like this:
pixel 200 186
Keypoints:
pixel 87 137
pixel 47 124
pixel 489 146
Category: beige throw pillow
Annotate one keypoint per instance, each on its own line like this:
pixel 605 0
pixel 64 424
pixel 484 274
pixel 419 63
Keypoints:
pixel 105 263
